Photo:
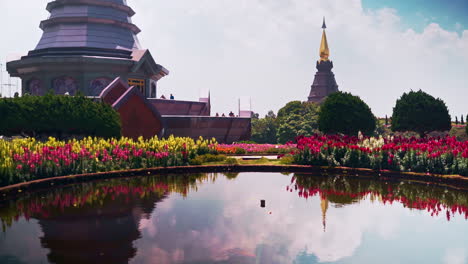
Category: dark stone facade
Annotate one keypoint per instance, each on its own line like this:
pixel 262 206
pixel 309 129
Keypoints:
pixel 324 82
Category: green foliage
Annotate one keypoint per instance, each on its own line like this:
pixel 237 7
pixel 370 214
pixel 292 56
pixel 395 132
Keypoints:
pixel 264 129
pixel 347 114
pixel 57 115
pixel 296 119
pixel 286 160
pixel 291 108
pixel 232 161
pixel 196 161
pixel 199 160
pixel 420 112
pixel 231 175
pixel 240 151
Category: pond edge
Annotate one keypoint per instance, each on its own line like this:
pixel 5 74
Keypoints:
pixel 452 181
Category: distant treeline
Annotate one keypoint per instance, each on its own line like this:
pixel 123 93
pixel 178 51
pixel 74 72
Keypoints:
pixel 344 113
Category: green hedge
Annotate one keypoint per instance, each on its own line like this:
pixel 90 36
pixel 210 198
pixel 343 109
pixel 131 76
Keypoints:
pixel 57 115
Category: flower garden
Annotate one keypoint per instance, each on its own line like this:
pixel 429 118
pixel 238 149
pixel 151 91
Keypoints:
pixel 427 155
pixel 27 159
pixel 23 160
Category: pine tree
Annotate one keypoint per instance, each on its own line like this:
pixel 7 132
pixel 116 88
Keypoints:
pixel 456 120
pixel 462 121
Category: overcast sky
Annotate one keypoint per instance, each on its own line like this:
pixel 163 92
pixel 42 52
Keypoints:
pixel 266 50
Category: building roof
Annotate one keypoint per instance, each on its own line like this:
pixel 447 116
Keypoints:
pixel 182 108
pixel 89 27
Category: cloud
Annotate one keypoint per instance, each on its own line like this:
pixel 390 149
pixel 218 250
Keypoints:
pixel 455 256
pixel 242 229
pixel 267 49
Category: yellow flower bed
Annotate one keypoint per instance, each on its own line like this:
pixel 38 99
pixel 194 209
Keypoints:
pixel 27 159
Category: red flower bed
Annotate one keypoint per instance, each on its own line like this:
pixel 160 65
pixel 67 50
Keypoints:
pixel 432 155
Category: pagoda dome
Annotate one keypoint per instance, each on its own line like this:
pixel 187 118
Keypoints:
pixel 88 27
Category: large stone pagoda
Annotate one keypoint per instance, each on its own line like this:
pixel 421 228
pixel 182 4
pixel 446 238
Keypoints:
pixel 85 45
pixel 324 82
pixel 91 46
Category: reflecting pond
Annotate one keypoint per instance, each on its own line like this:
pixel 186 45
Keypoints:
pixel 237 218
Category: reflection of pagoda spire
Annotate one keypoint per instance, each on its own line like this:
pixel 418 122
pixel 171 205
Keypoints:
pixel 324 206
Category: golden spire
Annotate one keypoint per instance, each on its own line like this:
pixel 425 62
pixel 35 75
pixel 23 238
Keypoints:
pixel 324 51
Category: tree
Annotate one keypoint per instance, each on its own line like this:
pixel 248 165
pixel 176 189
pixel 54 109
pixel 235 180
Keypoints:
pixel 264 129
pixel 456 120
pixel 291 108
pixel 420 112
pixel 462 121
pixel 296 119
pixel 386 120
pixel 347 114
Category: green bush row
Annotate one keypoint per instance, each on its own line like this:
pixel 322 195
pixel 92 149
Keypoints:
pixel 57 115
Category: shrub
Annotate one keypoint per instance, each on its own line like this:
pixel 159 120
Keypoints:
pixel 286 160
pixel 199 160
pixel 240 151
pixel 196 161
pixel 232 161
pixel 420 112
pixel 213 158
pixel 347 114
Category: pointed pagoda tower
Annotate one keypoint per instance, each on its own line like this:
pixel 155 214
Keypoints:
pixel 324 82
pixel 84 46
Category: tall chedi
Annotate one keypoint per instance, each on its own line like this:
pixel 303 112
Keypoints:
pixel 324 82
pixel 85 45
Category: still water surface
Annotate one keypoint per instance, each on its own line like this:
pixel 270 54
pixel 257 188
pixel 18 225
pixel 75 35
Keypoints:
pixel 216 218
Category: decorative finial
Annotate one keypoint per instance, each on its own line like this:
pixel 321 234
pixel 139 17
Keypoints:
pixel 324 51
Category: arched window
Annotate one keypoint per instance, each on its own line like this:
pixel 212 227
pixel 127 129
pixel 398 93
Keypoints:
pixel 97 85
pixel 34 87
pixel 65 84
